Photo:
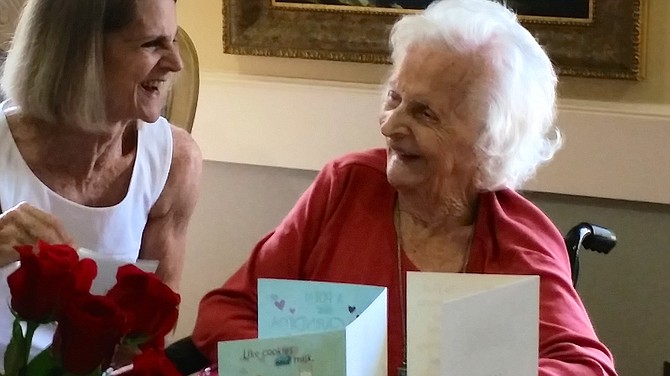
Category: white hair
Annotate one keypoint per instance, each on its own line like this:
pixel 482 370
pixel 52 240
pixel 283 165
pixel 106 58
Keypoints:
pixel 516 102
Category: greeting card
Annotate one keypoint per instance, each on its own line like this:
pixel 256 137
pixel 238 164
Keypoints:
pixel 472 324
pixel 310 328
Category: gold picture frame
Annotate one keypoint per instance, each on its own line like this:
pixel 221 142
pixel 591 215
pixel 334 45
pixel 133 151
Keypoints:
pixel 608 43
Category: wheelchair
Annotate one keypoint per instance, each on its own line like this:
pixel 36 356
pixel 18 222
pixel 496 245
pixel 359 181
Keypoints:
pixel 188 359
pixel 590 237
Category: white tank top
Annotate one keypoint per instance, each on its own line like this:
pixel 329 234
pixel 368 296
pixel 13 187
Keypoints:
pixel 114 231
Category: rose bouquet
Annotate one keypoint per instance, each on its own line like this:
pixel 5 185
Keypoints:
pixel 52 285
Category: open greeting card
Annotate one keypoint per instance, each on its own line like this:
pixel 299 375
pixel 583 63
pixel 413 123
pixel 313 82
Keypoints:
pixel 310 328
pixel 472 324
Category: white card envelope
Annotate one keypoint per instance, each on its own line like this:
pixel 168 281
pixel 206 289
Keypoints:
pixel 310 328
pixel 472 324
pixel 107 267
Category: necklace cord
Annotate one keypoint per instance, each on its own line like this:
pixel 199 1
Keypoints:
pixel 401 279
pixel 401 287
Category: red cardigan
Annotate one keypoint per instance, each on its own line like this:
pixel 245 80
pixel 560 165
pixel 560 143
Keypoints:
pixel 341 230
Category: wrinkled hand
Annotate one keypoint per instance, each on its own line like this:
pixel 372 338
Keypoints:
pixel 24 225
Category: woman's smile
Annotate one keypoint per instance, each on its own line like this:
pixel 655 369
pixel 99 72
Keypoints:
pixel 153 87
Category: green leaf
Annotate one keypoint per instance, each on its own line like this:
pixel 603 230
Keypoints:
pixel 135 341
pixel 44 364
pixel 16 354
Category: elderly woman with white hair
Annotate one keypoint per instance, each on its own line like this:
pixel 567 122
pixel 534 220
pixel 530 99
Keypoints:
pixel 468 117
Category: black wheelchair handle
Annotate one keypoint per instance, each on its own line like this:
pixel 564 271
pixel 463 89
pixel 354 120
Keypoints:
pixel 601 239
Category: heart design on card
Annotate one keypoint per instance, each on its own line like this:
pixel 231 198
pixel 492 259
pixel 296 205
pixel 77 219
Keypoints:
pixel 280 304
pixel 352 309
pixel 292 310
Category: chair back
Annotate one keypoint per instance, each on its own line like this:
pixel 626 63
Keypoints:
pixel 3 56
pixel 182 100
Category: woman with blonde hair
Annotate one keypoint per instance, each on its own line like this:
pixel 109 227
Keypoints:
pixel 85 156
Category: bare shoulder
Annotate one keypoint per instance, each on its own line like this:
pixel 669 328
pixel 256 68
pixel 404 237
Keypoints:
pixel 183 183
pixel 186 153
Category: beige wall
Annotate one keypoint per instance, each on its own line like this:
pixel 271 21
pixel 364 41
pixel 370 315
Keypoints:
pixel 202 19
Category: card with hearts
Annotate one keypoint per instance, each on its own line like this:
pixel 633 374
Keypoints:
pixel 310 328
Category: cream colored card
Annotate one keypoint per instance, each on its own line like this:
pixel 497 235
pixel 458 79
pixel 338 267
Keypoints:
pixel 472 324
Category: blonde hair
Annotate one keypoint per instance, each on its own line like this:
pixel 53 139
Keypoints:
pixel 54 69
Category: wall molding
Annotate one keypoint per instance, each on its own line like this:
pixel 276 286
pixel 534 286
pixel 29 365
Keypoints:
pixel 612 150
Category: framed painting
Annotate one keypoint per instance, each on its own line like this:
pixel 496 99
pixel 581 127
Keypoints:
pixel 588 38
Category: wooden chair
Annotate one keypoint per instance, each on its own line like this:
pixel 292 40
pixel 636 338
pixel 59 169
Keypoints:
pixel 183 98
pixel 3 56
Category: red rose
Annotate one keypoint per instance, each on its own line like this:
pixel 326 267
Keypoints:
pixel 87 333
pixel 153 362
pixel 46 279
pixel 151 307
